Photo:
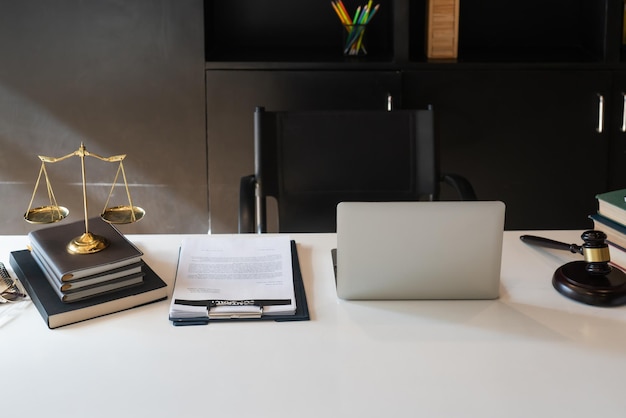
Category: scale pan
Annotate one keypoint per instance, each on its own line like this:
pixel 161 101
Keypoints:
pixel 123 214
pixel 46 214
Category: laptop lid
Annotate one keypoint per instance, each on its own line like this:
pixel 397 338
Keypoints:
pixel 419 250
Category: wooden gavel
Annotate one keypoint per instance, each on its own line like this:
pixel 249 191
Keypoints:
pixel 592 281
pixel 594 249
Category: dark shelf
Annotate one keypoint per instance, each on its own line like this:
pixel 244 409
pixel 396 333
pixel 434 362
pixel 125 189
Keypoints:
pixel 253 30
pixel 293 55
pixel 533 31
pixel 252 33
pixel 531 55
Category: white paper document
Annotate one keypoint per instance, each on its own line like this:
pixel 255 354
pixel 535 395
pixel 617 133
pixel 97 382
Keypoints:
pixel 232 276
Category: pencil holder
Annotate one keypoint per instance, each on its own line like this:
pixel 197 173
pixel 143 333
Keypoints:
pixel 354 40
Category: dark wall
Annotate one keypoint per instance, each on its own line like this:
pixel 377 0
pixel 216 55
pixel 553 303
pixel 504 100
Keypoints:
pixel 124 77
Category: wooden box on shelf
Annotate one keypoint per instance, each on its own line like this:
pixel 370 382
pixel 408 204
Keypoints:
pixel 442 30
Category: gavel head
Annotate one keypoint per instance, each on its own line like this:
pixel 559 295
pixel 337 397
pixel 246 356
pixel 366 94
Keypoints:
pixel 596 252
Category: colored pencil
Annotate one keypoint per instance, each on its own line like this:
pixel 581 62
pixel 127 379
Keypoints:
pixel 355 26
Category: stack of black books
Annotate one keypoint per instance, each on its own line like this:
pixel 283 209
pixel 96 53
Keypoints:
pixel 80 276
pixel 68 288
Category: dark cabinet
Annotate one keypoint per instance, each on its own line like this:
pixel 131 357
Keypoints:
pixel 532 111
pixel 231 97
pixel 533 139
pixel 616 127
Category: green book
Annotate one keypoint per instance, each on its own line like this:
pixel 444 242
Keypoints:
pixel 612 205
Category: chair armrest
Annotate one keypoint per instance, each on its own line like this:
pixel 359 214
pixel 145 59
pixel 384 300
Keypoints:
pixel 246 204
pixel 461 185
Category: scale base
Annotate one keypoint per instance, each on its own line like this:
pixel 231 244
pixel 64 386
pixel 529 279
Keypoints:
pixel 87 243
pixel 574 281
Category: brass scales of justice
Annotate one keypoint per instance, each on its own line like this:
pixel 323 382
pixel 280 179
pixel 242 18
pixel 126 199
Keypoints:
pixel 87 243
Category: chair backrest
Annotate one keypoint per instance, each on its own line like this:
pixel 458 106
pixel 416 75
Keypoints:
pixel 312 160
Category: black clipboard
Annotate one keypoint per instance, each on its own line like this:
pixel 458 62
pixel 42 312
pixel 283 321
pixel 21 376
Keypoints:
pixel 302 308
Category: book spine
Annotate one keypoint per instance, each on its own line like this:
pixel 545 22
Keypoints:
pixel 608 223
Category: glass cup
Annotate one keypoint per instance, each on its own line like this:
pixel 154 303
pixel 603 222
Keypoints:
pixel 354 40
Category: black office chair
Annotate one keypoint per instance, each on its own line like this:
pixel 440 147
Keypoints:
pixel 310 161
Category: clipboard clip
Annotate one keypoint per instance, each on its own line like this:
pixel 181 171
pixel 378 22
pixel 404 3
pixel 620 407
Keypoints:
pixel 255 312
pixel 241 309
pixel 234 309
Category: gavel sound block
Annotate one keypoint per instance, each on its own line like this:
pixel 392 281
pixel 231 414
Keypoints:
pixel 592 281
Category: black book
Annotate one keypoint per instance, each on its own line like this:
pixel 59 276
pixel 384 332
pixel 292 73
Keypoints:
pixel 90 286
pixel 57 313
pixel 51 244
pixel 132 269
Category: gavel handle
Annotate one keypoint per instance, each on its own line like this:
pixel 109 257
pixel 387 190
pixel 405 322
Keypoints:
pixel 548 243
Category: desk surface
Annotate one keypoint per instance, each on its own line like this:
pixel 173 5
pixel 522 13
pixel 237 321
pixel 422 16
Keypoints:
pixel 532 352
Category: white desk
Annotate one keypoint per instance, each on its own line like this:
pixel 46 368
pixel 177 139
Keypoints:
pixel 532 353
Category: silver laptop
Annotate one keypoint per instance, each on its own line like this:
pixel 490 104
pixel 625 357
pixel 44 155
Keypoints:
pixel 419 250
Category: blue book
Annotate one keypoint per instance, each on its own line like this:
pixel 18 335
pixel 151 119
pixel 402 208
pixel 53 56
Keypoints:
pixel 615 232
